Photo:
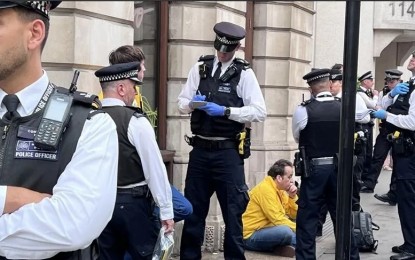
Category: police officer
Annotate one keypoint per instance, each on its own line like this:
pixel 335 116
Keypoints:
pixel 316 127
pixel 142 175
pixel 130 53
pixel 401 107
pixel 233 97
pixel 71 188
pixel 382 145
pixel 370 96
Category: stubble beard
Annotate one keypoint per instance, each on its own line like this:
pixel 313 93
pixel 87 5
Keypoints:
pixel 12 61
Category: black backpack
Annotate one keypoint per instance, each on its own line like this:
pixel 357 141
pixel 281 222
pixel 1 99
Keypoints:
pixel 363 227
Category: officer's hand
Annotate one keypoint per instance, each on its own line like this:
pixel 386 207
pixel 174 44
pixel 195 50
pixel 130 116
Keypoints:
pixel 168 225
pixel 401 88
pixel 381 114
pixel 375 92
pixel 292 191
pixel 197 98
pixel 213 109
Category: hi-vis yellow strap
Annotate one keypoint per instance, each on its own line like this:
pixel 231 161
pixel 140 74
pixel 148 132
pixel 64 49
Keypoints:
pixel 396 134
pixel 138 100
pixel 242 136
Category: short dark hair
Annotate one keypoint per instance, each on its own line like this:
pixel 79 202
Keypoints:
pixel 337 66
pixel 125 54
pixel 29 16
pixel 278 168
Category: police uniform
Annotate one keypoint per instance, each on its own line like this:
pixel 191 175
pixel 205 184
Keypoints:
pixel 214 163
pixel 382 147
pixel 142 177
pixel 370 101
pixel 80 174
pixel 316 127
pixel 401 109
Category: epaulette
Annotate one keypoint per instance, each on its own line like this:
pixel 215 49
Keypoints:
pixel 138 112
pixel 306 102
pixel 206 57
pixel 245 63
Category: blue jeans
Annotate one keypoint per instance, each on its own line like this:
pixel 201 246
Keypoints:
pixel 266 239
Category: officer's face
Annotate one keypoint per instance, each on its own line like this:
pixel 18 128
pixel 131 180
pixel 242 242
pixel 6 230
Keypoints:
pixel 227 56
pixel 14 36
pixel 391 83
pixel 335 87
pixel 411 65
pixel 127 91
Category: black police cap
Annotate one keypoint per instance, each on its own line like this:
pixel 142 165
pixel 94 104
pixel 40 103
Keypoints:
pixel 367 75
pixel 316 74
pixel 40 7
pixel 393 74
pixel 119 71
pixel 228 36
pixel 336 74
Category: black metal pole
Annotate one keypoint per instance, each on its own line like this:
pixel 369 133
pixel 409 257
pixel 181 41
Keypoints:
pixel 346 142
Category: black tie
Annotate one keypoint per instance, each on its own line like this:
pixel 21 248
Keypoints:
pixel 11 102
pixel 218 71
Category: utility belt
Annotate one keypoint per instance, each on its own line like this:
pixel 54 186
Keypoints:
pixel 242 143
pixel 402 142
pixel 137 192
pixel 303 166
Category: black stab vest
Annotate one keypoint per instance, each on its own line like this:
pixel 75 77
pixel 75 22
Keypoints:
pixel 221 93
pixel 23 165
pixel 400 107
pixel 130 169
pixel 320 137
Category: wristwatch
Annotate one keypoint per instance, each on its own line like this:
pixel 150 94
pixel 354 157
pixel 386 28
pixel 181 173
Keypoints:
pixel 227 111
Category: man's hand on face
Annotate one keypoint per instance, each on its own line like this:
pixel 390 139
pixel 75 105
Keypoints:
pixel 292 191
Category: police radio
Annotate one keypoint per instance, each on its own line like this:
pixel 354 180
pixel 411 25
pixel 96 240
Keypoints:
pixel 55 117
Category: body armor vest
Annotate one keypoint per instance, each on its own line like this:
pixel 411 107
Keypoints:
pixel 221 93
pixel 400 107
pixel 320 137
pixel 130 169
pixel 24 165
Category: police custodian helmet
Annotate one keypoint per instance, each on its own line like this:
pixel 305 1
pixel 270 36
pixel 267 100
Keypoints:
pixel 228 36
pixel 40 7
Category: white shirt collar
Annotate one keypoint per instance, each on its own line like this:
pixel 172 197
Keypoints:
pixel 106 102
pixel 29 96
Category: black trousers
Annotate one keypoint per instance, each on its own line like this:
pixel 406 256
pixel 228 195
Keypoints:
pixel 368 129
pixel 406 209
pixel 380 152
pixel 133 228
pixel 318 189
pixel 209 171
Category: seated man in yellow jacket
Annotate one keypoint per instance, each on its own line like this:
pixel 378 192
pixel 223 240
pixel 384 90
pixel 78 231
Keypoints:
pixel 268 222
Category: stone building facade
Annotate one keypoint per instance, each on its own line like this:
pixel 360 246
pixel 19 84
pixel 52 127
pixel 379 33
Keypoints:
pixel 285 40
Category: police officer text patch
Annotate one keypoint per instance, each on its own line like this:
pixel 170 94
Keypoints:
pixel 26 149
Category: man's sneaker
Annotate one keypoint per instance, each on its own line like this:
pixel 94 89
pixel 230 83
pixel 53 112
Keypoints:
pixel 286 251
pixel 386 198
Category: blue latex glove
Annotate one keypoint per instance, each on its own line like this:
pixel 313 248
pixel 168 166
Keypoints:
pixel 401 88
pixel 196 98
pixel 381 114
pixel 213 109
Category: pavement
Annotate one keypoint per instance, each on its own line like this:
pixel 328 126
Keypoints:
pixel 383 214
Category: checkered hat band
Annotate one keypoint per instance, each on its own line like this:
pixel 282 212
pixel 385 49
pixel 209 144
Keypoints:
pixel 333 76
pixel 42 6
pixel 124 75
pixel 225 41
pixel 319 77
pixel 392 76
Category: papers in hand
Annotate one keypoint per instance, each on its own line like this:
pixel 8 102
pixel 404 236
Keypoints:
pixel 196 104
pixel 362 114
